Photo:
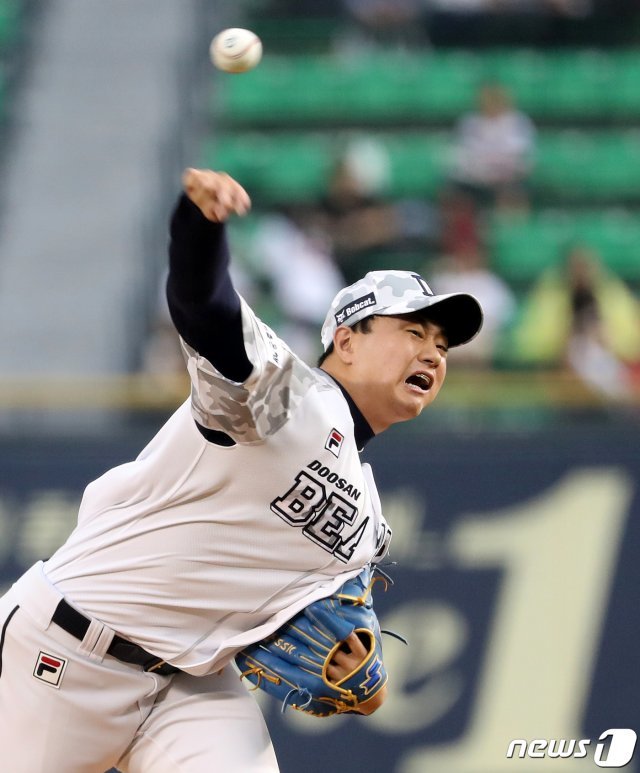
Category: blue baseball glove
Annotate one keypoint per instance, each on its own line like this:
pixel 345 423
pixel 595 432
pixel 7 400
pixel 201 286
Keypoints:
pixel 292 663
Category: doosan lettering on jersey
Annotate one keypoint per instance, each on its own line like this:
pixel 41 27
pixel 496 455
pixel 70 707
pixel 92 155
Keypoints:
pixel 332 477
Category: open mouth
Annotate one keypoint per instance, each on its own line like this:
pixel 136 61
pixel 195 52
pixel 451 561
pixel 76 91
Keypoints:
pixel 421 381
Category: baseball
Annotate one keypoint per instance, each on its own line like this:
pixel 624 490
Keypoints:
pixel 236 50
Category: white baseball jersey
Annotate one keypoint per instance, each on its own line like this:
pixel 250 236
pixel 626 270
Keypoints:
pixel 194 549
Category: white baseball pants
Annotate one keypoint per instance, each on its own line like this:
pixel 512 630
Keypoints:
pixel 65 707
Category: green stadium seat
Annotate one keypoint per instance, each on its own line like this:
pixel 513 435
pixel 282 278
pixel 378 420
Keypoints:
pixel 624 98
pixel 283 167
pixel 579 86
pixel 615 235
pixel 445 84
pixel 588 165
pixel 418 164
pixel 375 89
pixel 522 247
pixel 295 34
pixel 289 168
pixel 526 73
pixel 392 88
pixel 571 165
pixel 10 21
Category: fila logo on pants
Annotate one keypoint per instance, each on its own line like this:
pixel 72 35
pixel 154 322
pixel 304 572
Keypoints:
pixel 50 669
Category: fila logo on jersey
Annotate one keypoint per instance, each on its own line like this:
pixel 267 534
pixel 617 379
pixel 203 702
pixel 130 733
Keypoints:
pixel 334 442
pixel 50 669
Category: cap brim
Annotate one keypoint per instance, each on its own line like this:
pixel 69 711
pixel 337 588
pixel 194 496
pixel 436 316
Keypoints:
pixel 459 314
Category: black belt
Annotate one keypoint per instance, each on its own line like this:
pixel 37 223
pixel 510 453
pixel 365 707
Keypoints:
pixel 75 623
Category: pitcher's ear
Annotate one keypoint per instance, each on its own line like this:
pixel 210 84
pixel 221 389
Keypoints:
pixel 343 343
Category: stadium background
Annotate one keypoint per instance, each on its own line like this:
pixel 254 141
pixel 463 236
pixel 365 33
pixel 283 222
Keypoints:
pixel 514 501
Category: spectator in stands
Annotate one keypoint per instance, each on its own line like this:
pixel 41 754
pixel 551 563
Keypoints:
pixel 459 227
pixel 389 22
pixel 466 267
pixel 478 23
pixel 563 7
pixel 581 316
pixel 493 148
pixel 360 220
pixel 300 288
pixel 357 219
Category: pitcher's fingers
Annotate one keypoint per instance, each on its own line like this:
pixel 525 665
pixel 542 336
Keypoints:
pixel 355 645
pixel 348 657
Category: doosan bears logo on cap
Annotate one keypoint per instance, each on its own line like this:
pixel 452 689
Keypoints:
pixel 351 308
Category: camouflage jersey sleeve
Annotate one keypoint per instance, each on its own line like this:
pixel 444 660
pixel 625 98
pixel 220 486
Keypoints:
pixel 245 380
pixel 251 410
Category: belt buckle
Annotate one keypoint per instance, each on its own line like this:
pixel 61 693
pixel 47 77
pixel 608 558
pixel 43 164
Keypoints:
pixel 158 664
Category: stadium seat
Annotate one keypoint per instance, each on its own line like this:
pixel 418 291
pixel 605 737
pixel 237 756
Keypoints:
pixel 576 165
pixel 320 90
pixel 576 86
pixel 522 247
pixel 10 21
pixel 274 170
pixel 624 96
pixel 418 164
pixel 296 34
pixel 588 165
pixel 391 88
pixel 296 166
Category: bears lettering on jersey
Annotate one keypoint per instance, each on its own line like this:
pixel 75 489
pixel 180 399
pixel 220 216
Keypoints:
pixel 325 516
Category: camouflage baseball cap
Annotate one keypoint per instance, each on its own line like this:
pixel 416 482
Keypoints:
pixel 402 292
